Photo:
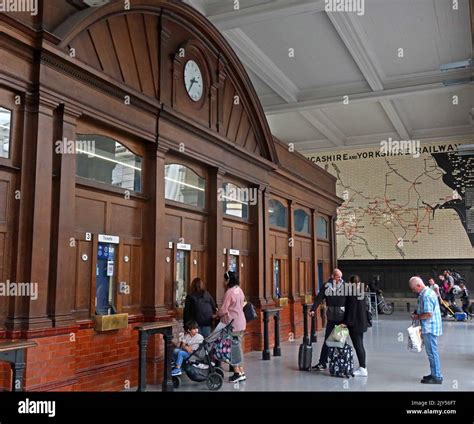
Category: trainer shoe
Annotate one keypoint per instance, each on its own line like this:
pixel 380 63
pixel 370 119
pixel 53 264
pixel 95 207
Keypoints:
pixel 432 380
pixel 319 367
pixel 361 372
pixel 236 377
pixel 175 372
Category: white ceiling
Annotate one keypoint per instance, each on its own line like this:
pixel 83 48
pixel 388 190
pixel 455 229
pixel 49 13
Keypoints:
pixel 344 54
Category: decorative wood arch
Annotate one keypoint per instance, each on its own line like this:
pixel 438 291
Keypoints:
pixel 144 24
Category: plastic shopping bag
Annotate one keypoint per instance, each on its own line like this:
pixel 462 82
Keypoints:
pixel 415 341
pixel 338 337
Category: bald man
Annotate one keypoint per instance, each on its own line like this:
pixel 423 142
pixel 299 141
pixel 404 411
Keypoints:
pixel 429 315
pixel 333 293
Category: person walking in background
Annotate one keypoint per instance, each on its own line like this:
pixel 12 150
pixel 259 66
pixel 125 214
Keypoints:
pixel 355 319
pixel 428 313
pixel 333 293
pixel 232 310
pixel 466 301
pixel 200 307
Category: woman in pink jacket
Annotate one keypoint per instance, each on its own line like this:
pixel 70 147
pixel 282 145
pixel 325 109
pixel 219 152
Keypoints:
pixel 232 309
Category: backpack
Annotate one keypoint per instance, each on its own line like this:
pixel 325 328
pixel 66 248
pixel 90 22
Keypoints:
pixel 203 309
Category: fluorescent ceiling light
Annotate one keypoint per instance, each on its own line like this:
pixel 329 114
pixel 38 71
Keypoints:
pixel 107 159
pixel 456 65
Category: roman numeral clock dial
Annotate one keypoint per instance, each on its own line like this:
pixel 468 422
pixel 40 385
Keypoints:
pixel 193 80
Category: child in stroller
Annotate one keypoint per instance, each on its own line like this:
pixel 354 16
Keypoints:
pixel 187 345
pixel 201 364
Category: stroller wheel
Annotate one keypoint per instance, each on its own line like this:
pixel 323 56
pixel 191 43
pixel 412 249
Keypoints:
pixel 214 381
pixel 219 371
pixel 176 382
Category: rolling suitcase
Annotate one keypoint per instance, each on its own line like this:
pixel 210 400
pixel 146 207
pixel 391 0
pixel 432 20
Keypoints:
pixel 305 353
pixel 341 361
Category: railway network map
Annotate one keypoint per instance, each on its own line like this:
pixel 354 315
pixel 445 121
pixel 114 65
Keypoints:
pixel 409 213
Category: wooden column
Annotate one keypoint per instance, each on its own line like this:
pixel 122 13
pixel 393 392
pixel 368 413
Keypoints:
pixel 314 267
pixel 153 299
pixel 268 291
pixel 61 296
pixel 257 217
pixel 216 272
pixel 333 241
pixel 293 284
pixel 34 233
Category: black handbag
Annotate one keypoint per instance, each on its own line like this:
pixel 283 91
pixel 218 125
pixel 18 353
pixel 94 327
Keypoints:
pixel 250 312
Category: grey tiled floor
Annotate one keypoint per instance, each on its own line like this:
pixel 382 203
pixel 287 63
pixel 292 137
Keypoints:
pixel 391 367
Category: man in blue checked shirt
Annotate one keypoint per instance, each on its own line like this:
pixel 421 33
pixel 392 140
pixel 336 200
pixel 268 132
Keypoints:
pixel 428 313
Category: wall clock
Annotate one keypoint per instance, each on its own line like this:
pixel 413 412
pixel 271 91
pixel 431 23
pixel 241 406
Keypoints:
pixel 193 80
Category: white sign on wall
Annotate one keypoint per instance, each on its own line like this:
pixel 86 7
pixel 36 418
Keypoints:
pixel 104 238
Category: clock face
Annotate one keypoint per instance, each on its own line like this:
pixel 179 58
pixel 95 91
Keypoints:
pixel 193 80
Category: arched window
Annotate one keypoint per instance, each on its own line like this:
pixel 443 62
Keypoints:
pixel 236 200
pixel 301 221
pixel 278 214
pixel 103 159
pixel 183 185
pixel 5 129
pixel 322 229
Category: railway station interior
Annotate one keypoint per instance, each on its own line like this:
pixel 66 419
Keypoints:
pixel 147 143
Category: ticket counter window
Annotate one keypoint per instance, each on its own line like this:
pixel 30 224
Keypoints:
pixel 233 264
pixel 105 279
pixel 105 160
pixel 5 126
pixel 182 277
pixel 277 277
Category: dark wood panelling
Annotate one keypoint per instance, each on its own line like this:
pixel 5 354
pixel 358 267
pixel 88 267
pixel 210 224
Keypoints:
pixel 83 274
pixel 90 214
pixel 126 220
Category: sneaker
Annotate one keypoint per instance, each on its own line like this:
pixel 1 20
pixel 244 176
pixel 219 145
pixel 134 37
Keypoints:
pixel 319 367
pixel 244 377
pixel 236 377
pixel 427 377
pixel 361 372
pixel 175 372
pixel 432 380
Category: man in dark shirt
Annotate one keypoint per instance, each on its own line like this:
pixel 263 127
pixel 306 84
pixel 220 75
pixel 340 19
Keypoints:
pixel 334 294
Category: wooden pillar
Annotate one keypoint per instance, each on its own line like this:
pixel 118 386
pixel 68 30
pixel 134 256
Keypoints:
pixel 257 217
pixel 333 241
pixel 314 259
pixel 34 232
pixel 216 272
pixel 61 296
pixel 268 291
pixel 153 299
pixel 293 284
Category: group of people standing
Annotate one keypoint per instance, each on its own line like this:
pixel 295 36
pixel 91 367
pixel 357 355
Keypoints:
pixel 200 312
pixel 347 310
pixel 446 290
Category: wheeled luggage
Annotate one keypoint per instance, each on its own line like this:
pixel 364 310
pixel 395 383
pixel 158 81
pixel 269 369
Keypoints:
pixel 305 353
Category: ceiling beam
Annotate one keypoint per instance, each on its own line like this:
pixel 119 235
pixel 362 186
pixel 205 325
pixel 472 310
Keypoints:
pixel 357 44
pixel 257 61
pixel 325 126
pixel 263 12
pixel 366 97
pixel 394 117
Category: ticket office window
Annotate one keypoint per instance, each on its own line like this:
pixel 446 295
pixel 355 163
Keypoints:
pixel 233 263
pixel 5 132
pixel 181 277
pixel 277 278
pixel 106 277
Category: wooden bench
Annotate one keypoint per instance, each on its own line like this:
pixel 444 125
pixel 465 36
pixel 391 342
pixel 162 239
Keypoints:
pixel 13 351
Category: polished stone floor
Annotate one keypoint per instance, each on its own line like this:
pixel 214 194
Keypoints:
pixel 391 367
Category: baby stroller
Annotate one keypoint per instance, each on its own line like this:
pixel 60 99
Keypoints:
pixel 454 311
pixel 202 364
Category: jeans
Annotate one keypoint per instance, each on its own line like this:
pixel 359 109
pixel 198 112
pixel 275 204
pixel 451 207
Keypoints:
pixel 205 331
pixel 358 342
pixel 431 345
pixel 323 358
pixel 179 356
